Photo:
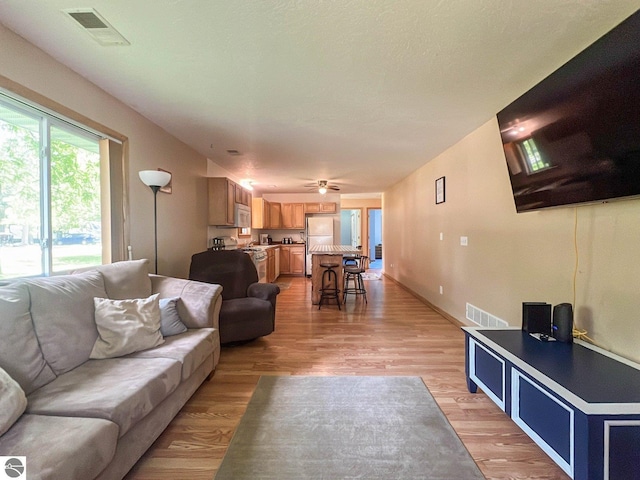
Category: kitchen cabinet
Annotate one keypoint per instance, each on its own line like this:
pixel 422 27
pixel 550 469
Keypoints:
pixel 223 195
pixel 271 264
pixel 297 260
pixel 275 220
pixel 320 207
pixel 292 259
pixel 293 215
pixel 242 196
pixel 259 213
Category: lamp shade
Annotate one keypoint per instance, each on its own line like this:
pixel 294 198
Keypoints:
pixel 322 190
pixel 154 178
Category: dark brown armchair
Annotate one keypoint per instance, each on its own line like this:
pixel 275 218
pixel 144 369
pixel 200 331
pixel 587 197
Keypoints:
pixel 248 307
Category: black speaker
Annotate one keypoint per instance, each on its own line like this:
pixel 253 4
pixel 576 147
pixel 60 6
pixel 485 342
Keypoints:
pixel 536 317
pixel 563 322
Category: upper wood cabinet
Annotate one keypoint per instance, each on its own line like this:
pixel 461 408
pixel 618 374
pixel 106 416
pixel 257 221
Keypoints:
pixel 293 215
pixel 223 195
pixel 320 207
pixel 275 212
pixel 221 201
pixel 259 213
pixel 243 195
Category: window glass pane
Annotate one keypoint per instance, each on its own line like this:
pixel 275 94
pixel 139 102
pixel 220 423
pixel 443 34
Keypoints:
pixel 535 162
pixel 75 200
pixel 20 252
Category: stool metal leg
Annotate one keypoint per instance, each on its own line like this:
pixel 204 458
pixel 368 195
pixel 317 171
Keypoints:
pixel 329 278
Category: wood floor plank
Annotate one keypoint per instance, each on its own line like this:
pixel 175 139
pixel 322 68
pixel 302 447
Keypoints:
pixel 394 334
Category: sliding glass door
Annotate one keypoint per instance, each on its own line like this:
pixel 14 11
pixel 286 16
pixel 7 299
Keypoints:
pixel 50 215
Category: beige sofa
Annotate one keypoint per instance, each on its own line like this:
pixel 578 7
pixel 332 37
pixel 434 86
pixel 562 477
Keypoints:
pixel 86 418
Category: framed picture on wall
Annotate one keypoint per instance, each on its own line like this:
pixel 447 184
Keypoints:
pixel 440 190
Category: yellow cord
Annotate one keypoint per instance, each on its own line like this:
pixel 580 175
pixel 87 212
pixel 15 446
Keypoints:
pixel 578 333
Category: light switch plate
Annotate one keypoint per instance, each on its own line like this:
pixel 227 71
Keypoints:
pixel 464 241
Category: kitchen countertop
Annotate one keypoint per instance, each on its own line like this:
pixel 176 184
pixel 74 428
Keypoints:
pixel 333 249
pixel 273 245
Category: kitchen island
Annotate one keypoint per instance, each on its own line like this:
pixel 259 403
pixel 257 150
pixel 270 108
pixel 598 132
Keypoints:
pixel 327 254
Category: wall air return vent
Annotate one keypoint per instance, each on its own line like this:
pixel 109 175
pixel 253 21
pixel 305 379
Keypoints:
pixel 95 25
pixel 484 319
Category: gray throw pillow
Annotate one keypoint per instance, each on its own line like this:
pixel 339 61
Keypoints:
pixel 128 279
pixel 170 321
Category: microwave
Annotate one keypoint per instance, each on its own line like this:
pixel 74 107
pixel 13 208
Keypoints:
pixel 243 216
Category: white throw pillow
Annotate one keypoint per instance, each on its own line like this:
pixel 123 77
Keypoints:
pixel 170 321
pixel 13 401
pixel 126 326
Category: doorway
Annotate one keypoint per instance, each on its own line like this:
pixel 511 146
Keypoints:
pixel 374 217
pixel 351 227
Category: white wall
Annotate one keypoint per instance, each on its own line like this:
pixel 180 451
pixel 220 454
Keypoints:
pixel 182 216
pixel 512 258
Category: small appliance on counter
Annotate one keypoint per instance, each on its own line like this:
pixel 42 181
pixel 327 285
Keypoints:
pixel 264 239
pixel 224 243
pixel 217 243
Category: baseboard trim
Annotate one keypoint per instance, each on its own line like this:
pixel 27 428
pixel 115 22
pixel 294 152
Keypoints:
pixel 448 317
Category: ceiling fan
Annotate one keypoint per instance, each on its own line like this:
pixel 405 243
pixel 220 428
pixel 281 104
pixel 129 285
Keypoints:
pixel 322 186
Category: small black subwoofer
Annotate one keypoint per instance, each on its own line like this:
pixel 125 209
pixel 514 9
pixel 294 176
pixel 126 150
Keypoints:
pixel 536 317
pixel 563 322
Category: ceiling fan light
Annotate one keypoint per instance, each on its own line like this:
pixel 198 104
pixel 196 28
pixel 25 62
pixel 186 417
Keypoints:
pixel 322 190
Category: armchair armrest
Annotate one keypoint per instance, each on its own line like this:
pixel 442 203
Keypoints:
pixel 199 304
pixel 263 291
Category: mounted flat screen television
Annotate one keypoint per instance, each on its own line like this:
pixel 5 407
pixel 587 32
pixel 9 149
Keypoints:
pixel 575 137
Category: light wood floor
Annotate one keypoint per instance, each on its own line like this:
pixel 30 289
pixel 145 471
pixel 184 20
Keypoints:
pixel 395 334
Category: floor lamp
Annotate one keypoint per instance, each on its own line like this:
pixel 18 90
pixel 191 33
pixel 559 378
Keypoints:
pixel 155 179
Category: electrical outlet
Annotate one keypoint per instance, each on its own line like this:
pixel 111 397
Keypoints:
pixel 441 290
pixel 464 241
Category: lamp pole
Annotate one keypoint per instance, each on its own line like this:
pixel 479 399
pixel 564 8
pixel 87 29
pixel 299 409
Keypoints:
pixel 155 189
pixel 155 180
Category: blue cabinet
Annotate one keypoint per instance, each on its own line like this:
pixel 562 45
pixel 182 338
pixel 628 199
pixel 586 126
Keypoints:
pixel 580 404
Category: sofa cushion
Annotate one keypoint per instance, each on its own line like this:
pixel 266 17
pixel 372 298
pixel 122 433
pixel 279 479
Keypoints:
pixel 20 354
pixel 62 311
pixel 126 326
pixel 51 446
pixel 128 279
pixel 170 321
pixel 190 349
pixel 122 390
pixel 12 401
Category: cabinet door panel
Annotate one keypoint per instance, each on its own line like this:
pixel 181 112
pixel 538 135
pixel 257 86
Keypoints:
pixel 285 259
pixel 547 420
pixel 287 215
pixel 297 261
pixel 488 371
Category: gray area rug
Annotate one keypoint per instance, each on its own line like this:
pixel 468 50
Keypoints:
pixel 304 427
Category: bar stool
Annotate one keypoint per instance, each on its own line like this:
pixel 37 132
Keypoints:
pixel 354 273
pixel 329 278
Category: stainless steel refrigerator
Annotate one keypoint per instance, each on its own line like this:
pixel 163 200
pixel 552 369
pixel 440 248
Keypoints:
pixel 319 232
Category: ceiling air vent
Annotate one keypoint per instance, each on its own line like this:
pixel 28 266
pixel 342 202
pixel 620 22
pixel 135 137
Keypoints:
pixel 95 25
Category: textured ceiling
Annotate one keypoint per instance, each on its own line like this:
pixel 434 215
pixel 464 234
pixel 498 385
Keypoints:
pixel 360 92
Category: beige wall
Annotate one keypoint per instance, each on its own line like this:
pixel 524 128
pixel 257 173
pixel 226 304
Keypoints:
pixel 511 258
pixel 182 216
